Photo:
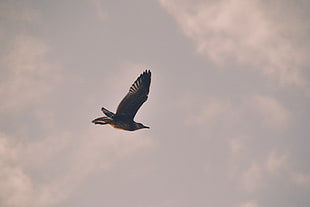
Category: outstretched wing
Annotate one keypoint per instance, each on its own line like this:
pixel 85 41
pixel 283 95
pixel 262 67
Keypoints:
pixel 136 96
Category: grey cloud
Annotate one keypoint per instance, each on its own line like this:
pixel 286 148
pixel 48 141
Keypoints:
pixel 45 169
pixel 36 174
pixel 29 76
pixel 251 33
pixel 217 131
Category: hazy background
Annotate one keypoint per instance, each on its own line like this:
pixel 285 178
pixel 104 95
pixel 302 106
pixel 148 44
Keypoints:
pixel 228 106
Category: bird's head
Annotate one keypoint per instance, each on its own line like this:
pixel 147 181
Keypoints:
pixel 141 126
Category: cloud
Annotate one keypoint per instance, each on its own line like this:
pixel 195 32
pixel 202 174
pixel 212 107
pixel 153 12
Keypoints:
pixel 276 161
pixel 236 145
pixel 248 204
pixel 258 174
pixel 252 177
pixel 251 33
pixel 17 11
pixel 42 167
pixel 16 187
pixel 302 179
pixel 29 75
pixel 45 172
pixel 271 111
pixel 209 112
pixel 214 111
pixel 100 9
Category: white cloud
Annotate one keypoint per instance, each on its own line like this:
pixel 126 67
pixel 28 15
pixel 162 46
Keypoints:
pixel 210 112
pixel 275 161
pixel 16 187
pixel 29 76
pixel 251 33
pixel 45 172
pixel 214 111
pixel 43 169
pixel 302 179
pixel 237 145
pixel 100 9
pixel 271 111
pixel 248 204
pixel 17 11
pixel 252 177
pixel 259 174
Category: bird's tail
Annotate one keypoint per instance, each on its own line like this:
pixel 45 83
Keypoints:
pixel 102 120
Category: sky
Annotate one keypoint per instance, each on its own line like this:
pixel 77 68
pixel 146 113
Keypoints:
pixel 228 105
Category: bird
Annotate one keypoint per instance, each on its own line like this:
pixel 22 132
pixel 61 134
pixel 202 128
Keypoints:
pixel 128 107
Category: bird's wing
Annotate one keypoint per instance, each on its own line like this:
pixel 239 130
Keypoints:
pixel 107 112
pixel 136 96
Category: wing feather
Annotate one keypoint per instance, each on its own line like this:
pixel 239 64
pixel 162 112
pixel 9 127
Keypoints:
pixel 136 96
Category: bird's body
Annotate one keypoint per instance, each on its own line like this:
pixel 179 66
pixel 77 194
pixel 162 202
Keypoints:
pixel 119 123
pixel 127 109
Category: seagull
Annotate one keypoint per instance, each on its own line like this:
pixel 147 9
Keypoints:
pixel 128 107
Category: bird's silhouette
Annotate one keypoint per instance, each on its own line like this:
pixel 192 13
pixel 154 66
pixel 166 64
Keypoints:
pixel 128 107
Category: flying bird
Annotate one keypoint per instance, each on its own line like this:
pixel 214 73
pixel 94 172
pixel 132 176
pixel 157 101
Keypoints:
pixel 128 107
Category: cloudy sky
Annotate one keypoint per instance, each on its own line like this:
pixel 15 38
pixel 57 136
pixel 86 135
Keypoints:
pixel 228 107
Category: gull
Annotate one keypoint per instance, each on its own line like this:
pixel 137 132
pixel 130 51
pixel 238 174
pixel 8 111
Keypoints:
pixel 128 107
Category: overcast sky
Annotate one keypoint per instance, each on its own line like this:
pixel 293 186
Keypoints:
pixel 228 106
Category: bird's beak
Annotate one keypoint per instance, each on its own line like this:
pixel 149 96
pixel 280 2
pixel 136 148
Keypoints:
pixel 146 127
